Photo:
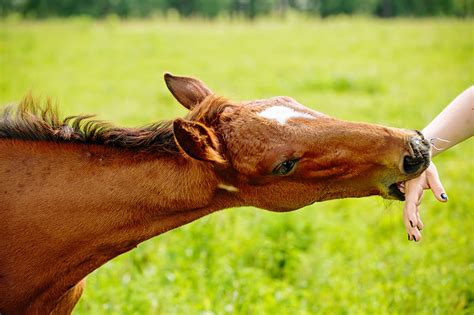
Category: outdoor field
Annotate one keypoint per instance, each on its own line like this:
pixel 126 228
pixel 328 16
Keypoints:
pixel 339 257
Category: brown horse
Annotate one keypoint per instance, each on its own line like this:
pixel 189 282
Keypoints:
pixel 78 192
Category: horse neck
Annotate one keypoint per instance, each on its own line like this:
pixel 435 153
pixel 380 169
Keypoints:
pixel 80 205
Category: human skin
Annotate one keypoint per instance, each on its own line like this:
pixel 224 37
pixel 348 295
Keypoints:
pixel 452 126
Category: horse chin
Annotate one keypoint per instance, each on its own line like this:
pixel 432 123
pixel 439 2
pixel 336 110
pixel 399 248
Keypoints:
pixel 394 192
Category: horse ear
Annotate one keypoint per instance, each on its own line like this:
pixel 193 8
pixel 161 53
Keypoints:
pixel 197 141
pixel 188 91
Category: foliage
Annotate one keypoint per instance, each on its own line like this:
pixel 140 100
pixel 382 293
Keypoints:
pixel 339 257
pixel 247 8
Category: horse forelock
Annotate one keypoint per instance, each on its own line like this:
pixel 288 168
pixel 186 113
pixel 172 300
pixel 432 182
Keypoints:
pixel 209 110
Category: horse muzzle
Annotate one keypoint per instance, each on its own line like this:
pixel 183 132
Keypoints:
pixel 419 155
pixel 414 163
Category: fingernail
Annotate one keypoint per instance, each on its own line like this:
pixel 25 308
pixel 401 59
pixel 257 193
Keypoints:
pixel 411 223
pixel 444 197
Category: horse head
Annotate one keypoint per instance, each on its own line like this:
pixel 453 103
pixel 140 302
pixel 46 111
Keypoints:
pixel 279 155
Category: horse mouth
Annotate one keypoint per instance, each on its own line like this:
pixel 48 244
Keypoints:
pixel 395 192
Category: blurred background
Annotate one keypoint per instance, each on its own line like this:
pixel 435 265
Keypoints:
pixel 245 8
pixel 396 63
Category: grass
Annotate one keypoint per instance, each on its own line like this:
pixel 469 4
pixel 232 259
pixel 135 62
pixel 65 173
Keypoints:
pixel 338 257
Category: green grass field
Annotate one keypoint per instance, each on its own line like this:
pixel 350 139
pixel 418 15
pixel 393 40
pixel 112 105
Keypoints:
pixel 339 257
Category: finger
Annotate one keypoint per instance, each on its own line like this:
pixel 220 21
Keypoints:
pixel 410 210
pixel 420 224
pixel 414 234
pixel 401 186
pixel 411 221
pixel 409 215
pixel 435 184
pixel 414 191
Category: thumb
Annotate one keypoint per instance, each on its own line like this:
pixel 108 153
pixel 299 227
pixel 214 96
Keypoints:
pixel 434 183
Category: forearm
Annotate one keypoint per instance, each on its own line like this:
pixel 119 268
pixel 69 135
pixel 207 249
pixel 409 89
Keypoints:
pixel 454 124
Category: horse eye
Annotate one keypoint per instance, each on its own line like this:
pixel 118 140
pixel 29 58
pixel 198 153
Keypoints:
pixel 285 167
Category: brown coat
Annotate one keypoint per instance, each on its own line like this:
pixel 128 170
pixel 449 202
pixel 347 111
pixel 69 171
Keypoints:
pixel 76 193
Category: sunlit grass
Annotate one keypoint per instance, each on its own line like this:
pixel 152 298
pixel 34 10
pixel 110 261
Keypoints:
pixel 338 257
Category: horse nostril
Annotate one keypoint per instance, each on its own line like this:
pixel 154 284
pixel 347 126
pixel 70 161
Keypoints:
pixel 419 155
pixel 412 164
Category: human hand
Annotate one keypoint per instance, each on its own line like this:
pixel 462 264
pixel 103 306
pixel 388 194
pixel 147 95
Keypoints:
pixel 414 190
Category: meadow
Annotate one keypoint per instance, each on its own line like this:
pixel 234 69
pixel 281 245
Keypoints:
pixel 346 256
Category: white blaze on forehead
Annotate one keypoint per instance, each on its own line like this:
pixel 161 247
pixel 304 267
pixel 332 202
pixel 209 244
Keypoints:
pixel 282 114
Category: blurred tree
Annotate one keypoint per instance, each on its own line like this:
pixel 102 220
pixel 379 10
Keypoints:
pixel 331 7
pixel 390 8
pixel 185 8
pixel 212 8
pixel 248 8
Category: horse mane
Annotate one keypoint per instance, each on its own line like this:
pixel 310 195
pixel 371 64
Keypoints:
pixel 34 120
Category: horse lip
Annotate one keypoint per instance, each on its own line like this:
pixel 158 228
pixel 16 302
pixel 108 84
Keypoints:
pixel 395 192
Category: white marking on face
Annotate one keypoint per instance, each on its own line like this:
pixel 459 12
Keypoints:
pixel 282 114
pixel 229 188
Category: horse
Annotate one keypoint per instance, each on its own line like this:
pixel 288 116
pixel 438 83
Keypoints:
pixel 77 192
